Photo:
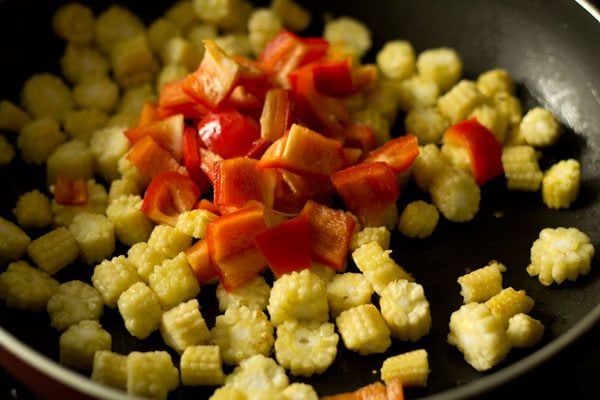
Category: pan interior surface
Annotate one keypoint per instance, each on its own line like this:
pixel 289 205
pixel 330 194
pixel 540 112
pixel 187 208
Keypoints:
pixel 553 53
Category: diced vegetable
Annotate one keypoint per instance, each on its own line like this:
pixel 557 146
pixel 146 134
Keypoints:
pixel 70 191
pixel 169 195
pixel 286 246
pixel 231 246
pixel 399 153
pixel 330 233
pixel 215 77
pixel 276 115
pixel 150 159
pixel 167 133
pixel 199 259
pixel 484 149
pixel 305 152
pixel 229 133
pixel 367 189
pixel 239 181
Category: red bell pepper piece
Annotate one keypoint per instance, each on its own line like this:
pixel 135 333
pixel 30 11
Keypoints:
pixel 253 84
pixel 340 77
pixel 360 136
pixel 214 79
pixel 484 149
pixel 317 48
pixel 238 181
pixel 352 155
pixel 307 153
pixel 148 114
pixel 286 246
pixel 276 116
pixel 334 78
pixel 70 191
pixel 293 191
pixel 199 259
pixel 394 389
pixel 373 391
pixel 208 161
pixel 167 133
pixel 330 233
pixel 258 148
pixel 150 159
pixel 272 155
pixel 367 189
pixel 231 246
pixel 228 133
pixel 242 99
pixel 168 195
pixel 174 100
pixel 287 51
pixel 399 153
pixel 191 158
pixel 325 113
pixel 205 204
pixel 363 76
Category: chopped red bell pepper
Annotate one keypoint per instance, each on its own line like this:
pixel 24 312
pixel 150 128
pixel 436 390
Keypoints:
pixel 69 191
pixel 341 78
pixel 317 48
pixel 167 133
pixel 243 100
pixel 205 204
pixel 214 79
pixel 360 136
pixel 363 76
pixel 150 159
pixel 286 246
pixel 334 77
pixel 238 181
pixel 272 155
pixel 325 113
pixel 228 133
pixel 199 259
pixel 174 100
pixel 231 246
pixel 148 114
pixel 367 190
pixel 293 191
pixel 307 153
pixel 484 149
pixel 330 233
pixel 253 84
pixel 287 51
pixel 258 148
pixel 399 153
pixel 208 161
pixel 352 155
pixel 191 158
pixel 276 117
pixel 373 391
pixel 168 195
pixel 394 389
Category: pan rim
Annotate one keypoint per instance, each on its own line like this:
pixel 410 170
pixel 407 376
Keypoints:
pixel 485 384
pixel 56 371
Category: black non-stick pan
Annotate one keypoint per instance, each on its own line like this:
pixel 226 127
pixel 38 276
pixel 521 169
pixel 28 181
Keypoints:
pixel 552 48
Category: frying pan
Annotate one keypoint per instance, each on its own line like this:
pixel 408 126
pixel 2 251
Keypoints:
pixel 552 48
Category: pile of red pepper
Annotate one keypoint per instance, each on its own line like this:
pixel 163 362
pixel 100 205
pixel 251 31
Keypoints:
pixel 276 144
